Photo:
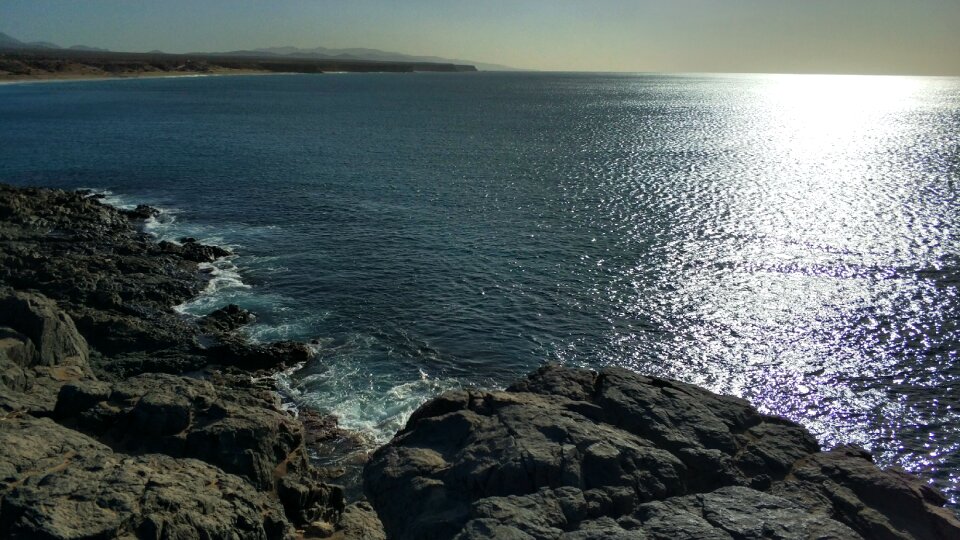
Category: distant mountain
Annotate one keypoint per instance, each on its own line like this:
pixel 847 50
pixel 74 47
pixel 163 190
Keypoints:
pixel 321 53
pixel 9 42
pixel 364 54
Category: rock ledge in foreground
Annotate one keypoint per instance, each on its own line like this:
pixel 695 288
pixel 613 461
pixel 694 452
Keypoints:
pixel 569 454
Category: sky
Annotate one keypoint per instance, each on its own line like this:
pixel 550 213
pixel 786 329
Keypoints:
pixel 920 37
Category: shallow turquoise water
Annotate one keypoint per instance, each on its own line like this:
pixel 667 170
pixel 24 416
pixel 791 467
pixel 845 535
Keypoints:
pixel 790 239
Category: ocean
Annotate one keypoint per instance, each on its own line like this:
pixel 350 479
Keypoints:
pixel 793 240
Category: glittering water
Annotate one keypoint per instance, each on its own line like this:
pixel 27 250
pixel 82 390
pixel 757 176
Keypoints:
pixel 794 240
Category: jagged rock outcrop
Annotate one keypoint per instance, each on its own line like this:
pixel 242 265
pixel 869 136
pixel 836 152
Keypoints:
pixel 115 282
pixel 228 421
pixel 574 454
pixel 111 424
pixel 119 286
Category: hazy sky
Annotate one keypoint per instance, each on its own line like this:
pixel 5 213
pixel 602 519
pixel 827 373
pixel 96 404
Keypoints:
pixel 794 36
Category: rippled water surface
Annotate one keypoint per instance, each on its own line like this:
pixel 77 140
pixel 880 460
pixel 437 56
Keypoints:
pixel 794 240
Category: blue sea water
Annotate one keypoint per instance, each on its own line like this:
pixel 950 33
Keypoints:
pixel 794 240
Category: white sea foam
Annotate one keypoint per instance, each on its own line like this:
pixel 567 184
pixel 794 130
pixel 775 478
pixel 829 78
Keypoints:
pixel 225 281
pixel 373 404
pixel 110 198
pixel 225 277
pixel 338 381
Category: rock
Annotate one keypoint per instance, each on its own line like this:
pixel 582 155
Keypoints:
pixel 359 522
pixel 879 504
pixel 17 353
pixel 40 350
pixel 226 320
pixel 235 426
pixel 115 283
pixel 57 483
pixel 142 211
pixel 576 454
pixel 735 512
pixel 90 194
pixel 193 251
pixel 319 529
pixel 307 499
pixel 51 331
pixel 174 361
pixel 95 344
pixel 320 428
pixel 240 354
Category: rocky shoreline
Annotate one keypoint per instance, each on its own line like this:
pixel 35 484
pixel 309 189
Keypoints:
pixel 120 418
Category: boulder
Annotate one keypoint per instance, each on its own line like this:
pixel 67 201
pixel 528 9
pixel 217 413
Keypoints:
pixel 359 522
pixel 141 212
pixel 193 251
pixel 878 503
pixel 241 354
pixel 17 354
pixel 51 331
pixel 225 320
pixel 40 350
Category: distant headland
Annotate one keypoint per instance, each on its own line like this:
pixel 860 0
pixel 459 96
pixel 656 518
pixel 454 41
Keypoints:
pixel 24 61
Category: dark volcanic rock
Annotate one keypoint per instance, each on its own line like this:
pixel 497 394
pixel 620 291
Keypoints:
pixel 226 320
pixel 203 253
pixel 576 454
pixel 40 350
pixel 51 331
pixel 233 424
pixel 89 338
pixel 359 521
pixel 115 282
pixel 240 354
pixel 57 483
pixel 142 211
pixel 192 251
pixel 227 421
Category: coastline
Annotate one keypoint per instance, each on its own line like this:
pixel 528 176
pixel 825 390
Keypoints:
pixel 75 77
pixel 173 426
pixel 61 64
pixel 97 364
